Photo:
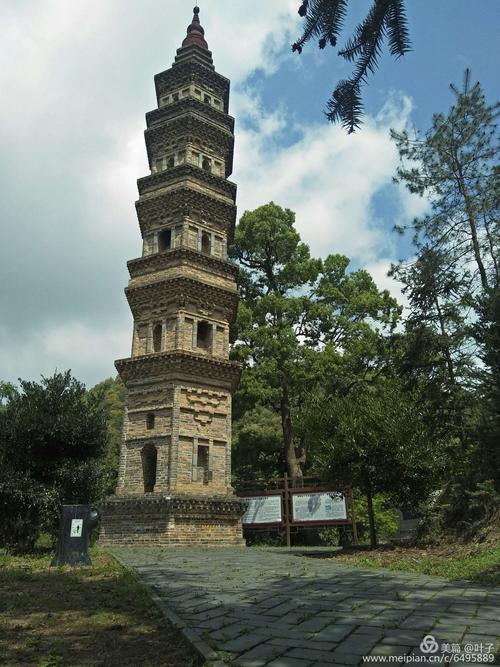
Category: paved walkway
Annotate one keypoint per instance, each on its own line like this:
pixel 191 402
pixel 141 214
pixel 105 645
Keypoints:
pixel 271 607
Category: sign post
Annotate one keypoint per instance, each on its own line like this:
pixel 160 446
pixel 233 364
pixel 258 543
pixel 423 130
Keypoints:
pixel 299 506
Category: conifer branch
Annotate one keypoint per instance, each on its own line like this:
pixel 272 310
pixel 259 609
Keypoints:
pixel 324 20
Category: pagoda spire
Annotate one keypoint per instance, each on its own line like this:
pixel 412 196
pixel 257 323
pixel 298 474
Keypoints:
pixel 195 32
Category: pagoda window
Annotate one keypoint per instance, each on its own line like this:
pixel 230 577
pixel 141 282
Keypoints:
pixel 157 335
pixel 185 92
pixel 206 243
pixel 158 164
pixel 149 456
pixel 164 240
pixel 171 162
pixel 206 164
pixel 203 464
pixel 217 103
pixel 197 92
pixel 175 97
pixel 218 246
pixel 150 421
pixel 204 335
pixel 207 99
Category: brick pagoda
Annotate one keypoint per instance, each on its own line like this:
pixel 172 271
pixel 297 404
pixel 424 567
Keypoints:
pixel 174 484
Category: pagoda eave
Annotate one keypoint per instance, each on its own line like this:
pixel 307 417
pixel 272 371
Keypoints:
pixel 185 202
pixel 180 289
pixel 187 174
pixel 142 266
pixel 180 365
pixel 186 105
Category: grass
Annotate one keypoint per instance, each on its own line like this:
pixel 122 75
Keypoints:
pixel 82 617
pixel 479 563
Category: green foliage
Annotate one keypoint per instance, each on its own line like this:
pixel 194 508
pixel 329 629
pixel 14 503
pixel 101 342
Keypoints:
pixel 386 523
pixel 111 395
pixel 386 517
pixel 303 325
pixel 487 454
pixel 26 507
pixel 257 452
pixel 52 435
pixel 455 165
pixel 377 441
pixel 449 355
pixel 324 20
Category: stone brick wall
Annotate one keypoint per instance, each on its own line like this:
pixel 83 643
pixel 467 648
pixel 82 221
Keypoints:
pixel 159 521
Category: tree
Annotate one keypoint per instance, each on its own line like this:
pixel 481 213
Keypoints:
pixel 455 165
pixel 324 20
pixel 111 394
pixel 456 266
pixel 375 439
pixel 488 332
pixel 450 348
pixel 52 435
pixel 434 355
pixel 257 450
pixel 273 314
pixel 299 318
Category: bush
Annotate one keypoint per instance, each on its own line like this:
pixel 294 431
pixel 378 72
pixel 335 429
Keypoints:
pixel 52 438
pixel 26 508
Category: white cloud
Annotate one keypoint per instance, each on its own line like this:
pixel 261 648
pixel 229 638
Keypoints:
pixel 87 350
pixel 327 177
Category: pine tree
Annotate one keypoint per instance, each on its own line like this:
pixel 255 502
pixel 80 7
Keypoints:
pixel 324 21
pixel 450 350
pixel 455 165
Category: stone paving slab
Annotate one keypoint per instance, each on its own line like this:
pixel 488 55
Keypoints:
pixel 254 607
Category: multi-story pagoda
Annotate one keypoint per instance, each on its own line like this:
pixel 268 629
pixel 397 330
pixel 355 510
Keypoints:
pixel 174 481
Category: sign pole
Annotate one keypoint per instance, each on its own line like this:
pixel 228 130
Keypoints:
pixel 287 511
pixel 353 516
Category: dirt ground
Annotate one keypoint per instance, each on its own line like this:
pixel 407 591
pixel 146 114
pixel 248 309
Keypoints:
pixel 93 616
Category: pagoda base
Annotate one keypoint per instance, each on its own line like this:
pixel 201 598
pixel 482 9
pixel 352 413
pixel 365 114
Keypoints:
pixel 158 520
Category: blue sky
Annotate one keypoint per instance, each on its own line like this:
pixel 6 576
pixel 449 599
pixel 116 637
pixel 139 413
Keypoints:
pixel 447 36
pixel 77 79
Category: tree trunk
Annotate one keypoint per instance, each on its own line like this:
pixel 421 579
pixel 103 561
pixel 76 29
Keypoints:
pixel 473 228
pixel 293 467
pixel 371 517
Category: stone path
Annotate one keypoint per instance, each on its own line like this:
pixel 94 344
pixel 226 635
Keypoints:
pixel 271 607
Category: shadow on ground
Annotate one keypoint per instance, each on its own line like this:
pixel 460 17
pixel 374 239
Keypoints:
pixel 268 607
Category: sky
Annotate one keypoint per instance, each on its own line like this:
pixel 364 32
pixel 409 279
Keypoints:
pixel 76 80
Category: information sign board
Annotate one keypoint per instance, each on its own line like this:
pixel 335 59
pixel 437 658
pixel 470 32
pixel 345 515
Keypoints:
pixel 324 506
pixel 262 509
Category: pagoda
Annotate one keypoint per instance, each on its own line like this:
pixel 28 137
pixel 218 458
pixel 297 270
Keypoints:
pixel 174 483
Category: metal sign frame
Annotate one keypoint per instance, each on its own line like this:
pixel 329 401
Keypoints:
pixel 288 521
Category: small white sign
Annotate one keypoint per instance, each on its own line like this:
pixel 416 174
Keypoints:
pixel 262 509
pixel 76 527
pixel 318 506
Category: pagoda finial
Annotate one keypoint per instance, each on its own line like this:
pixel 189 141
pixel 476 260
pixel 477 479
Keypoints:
pixel 195 33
